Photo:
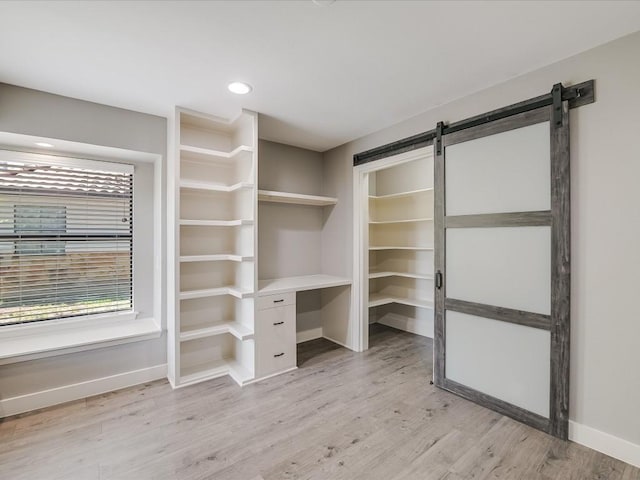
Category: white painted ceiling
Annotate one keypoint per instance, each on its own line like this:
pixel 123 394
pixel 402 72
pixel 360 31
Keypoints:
pixel 321 75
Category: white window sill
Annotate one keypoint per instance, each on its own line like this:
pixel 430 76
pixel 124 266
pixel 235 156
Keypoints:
pixel 31 341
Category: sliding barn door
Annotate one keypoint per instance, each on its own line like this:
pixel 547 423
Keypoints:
pixel 502 263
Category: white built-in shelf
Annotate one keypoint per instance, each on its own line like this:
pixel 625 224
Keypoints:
pixel 213 187
pixel 301 283
pixel 419 276
pixel 237 292
pixel 295 198
pixel 241 332
pixel 378 299
pixel 214 223
pixel 207 152
pixel 401 194
pixel 408 220
pixel 215 369
pixel 220 257
pixel 392 247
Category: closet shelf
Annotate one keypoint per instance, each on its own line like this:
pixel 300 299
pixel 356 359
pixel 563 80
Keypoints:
pixel 221 257
pixel 214 223
pixel 378 299
pixel 420 276
pixel 391 247
pixel 400 194
pixel 408 220
pixel 295 198
pixel 301 283
pixel 207 152
pixel 236 329
pixel 216 292
pixel 215 369
pixel 213 187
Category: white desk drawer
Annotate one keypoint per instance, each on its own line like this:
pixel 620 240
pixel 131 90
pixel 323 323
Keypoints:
pixel 275 339
pixel 278 300
pixel 276 359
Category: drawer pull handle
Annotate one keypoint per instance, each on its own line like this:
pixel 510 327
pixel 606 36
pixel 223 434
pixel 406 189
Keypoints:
pixel 279 301
pixel 279 354
pixel 278 323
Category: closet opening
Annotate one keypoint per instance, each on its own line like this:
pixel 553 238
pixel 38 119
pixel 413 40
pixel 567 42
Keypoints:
pixel 396 239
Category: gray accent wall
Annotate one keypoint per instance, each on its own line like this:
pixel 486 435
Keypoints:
pixel 605 168
pixel 32 112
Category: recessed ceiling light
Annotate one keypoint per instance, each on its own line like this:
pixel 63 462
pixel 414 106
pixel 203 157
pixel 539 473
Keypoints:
pixel 44 144
pixel 239 88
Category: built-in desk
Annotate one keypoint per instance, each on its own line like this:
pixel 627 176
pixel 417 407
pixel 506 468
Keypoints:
pixel 275 323
pixel 299 284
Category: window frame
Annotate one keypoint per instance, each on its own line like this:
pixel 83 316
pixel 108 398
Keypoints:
pixel 32 340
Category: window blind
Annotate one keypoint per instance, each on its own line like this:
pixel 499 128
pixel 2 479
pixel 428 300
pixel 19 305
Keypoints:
pixel 66 237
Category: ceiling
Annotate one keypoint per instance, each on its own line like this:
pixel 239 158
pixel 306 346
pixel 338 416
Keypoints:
pixel 322 75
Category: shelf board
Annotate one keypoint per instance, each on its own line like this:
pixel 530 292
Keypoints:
pixel 221 257
pixel 215 292
pixel 213 187
pixel 408 220
pixel 295 198
pixel 214 223
pixel 208 152
pixel 215 369
pixel 300 283
pixel 419 276
pixel 236 329
pixel 391 247
pixel 239 373
pixel 378 299
pixel 207 371
pixel 401 194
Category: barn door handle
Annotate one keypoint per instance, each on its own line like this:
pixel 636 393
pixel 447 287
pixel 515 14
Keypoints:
pixel 439 280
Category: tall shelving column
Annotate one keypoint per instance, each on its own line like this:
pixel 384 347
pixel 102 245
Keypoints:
pixel 401 249
pixel 214 206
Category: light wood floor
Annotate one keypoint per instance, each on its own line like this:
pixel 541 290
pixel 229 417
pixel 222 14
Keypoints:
pixel 341 415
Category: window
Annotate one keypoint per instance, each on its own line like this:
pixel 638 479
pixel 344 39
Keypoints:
pixel 39 219
pixel 66 238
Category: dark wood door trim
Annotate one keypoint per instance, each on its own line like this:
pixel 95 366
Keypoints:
pixel 500 406
pixel 560 276
pixel 513 219
pixel 514 122
pixel 519 317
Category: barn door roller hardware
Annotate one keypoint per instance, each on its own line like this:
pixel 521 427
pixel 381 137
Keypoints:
pixel 576 95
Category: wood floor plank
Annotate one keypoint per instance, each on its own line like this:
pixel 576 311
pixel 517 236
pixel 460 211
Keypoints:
pixel 340 416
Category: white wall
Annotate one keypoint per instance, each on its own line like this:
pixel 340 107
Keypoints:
pixel 36 113
pixel 289 235
pixel 605 170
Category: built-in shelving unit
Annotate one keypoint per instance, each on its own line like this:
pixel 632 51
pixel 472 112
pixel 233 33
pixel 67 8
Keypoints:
pixel 378 299
pixel 384 274
pixel 213 214
pixel 295 198
pixel 401 246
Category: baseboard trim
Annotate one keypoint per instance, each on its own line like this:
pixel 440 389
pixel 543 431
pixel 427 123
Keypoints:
pixel 604 442
pixel 306 335
pixel 77 391
pixel 407 324
pixel 255 380
pixel 338 343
